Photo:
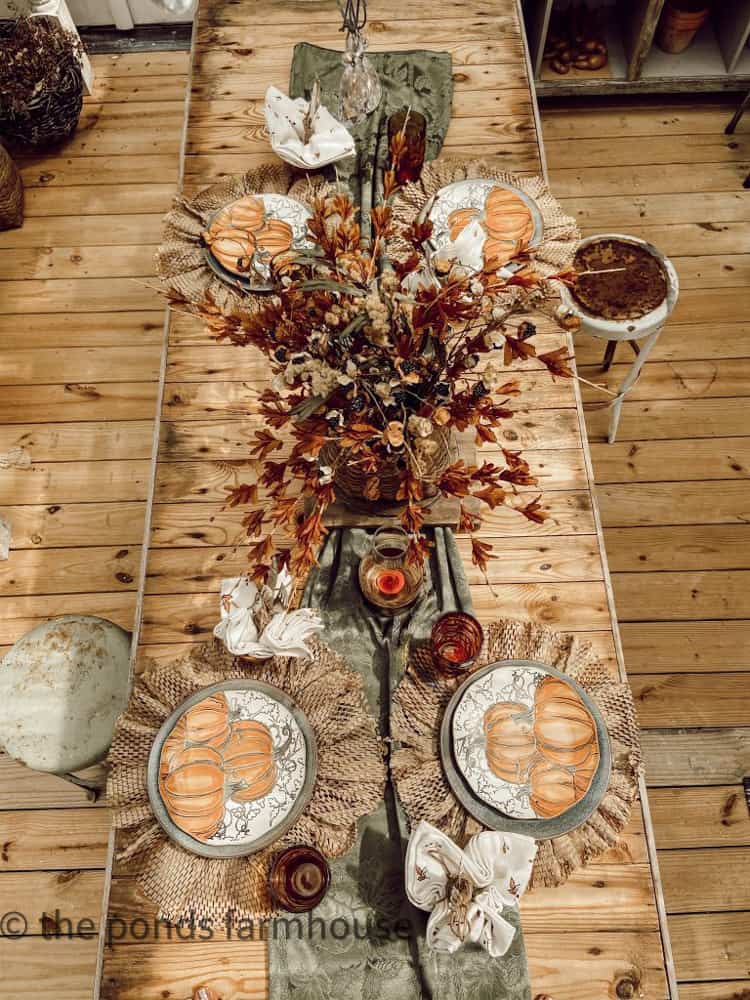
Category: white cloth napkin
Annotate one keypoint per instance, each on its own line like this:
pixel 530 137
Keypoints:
pixel 467 249
pixel 498 866
pixel 329 141
pixel 284 635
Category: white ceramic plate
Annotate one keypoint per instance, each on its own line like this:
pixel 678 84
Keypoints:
pixel 243 825
pixel 276 206
pixel 472 194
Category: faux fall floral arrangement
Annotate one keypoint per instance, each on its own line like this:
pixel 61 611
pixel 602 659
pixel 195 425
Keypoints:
pixel 376 358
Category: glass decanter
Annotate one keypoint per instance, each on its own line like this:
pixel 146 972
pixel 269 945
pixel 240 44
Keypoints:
pixel 360 91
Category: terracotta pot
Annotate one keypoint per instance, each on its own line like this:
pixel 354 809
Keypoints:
pixel 680 21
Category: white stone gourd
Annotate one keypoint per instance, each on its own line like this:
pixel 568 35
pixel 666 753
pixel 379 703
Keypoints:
pixel 62 687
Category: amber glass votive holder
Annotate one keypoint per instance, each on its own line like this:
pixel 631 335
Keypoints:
pixel 387 578
pixel 414 126
pixel 299 878
pixel 455 642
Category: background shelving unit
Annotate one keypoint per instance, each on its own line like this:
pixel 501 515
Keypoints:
pixel 718 58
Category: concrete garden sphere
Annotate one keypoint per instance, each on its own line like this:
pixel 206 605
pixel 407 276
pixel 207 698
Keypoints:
pixel 62 687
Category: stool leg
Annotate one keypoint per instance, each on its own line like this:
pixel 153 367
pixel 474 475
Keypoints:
pixel 738 114
pixel 609 355
pixel 629 382
pixel 92 792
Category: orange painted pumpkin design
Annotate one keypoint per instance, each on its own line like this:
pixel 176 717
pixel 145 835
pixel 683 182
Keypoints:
pixel 564 730
pixel 509 740
pixel 506 220
pixel 250 761
pixel 208 721
pixel 193 790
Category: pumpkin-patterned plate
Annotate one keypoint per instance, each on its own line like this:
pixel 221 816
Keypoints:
pixel 232 769
pixel 243 237
pixel 490 219
pixel 524 742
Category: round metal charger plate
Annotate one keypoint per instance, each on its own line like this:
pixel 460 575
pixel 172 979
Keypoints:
pixel 251 847
pixel 470 186
pixel 540 829
pixel 299 212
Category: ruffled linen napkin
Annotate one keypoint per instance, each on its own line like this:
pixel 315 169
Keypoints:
pixel 285 633
pixel 466 891
pixel 286 121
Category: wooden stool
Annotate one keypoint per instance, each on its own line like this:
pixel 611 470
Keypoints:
pixel 641 333
pixel 62 687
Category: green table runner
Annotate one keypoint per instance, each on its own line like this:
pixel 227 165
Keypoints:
pixel 420 80
pixel 365 940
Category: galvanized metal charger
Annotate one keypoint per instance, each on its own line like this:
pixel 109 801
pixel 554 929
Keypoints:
pixel 493 818
pixel 239 846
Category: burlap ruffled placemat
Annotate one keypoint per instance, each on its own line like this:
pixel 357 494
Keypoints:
pixel 181 259
pixel 560 240
pixel 418 706
pixel 349 782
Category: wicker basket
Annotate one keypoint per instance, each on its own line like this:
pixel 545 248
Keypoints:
pixel 350 480
pixel 11 193
pixel 52 115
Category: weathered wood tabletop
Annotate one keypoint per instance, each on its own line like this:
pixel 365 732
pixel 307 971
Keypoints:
pixel 600 935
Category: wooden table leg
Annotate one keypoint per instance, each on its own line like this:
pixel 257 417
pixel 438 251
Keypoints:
pixel 629 382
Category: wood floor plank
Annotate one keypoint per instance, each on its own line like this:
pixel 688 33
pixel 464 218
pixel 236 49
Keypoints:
pixel 71 525
pixel 715 594
pixel 77 400
pixel 606 120
pixel 53 171
pixel 91 441
pixel 77 262
pixel 22 788
pixel 572 180
pixel 673 419
pixel 687 459
pixel 674 701
pixel 711 945
pixel 71 482
pixel 74 895
pixel 35 840
pixel 600 152
pixel 66 967
pixel 71 570
pixel 89 329
pixel 626 505
pixel 618 213
pixel 99 199
pixel 678 547
pixel 700 817
pixel 692 757
pixel 40 366
pixel 79 294
pixel 652 647
pixel 88 230
pixel 685 341
pixel 735 990
pixel 720 879
pixel 674 379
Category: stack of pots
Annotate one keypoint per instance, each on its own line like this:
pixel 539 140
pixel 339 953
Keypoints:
pixel 680 21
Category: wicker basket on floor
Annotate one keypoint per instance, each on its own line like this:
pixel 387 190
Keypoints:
pixel 11 193
pixel 51 116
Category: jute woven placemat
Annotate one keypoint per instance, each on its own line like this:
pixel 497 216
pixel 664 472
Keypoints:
pixel 418 706
pixel 560 239
pixel 181 259
pixel 349 782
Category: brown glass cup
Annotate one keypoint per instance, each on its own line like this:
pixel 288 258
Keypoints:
pixel 455 642
pixel 410 165
pixel 299 878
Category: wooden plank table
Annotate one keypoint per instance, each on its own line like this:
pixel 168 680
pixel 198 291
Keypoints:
pixel 601 935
